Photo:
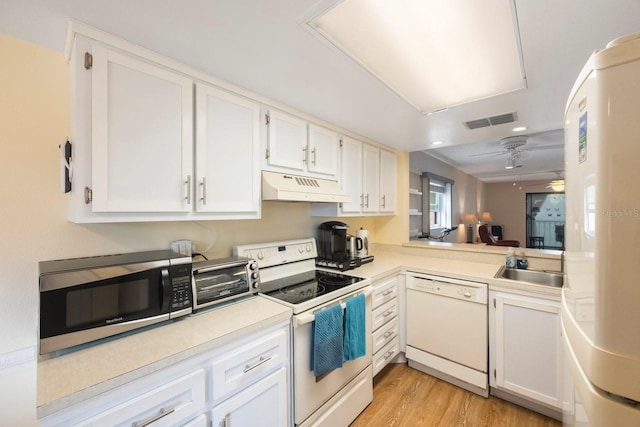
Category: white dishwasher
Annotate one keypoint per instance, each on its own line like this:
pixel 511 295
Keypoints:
pixel 447 330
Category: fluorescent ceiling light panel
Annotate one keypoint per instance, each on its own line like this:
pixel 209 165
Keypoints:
pixel 433 53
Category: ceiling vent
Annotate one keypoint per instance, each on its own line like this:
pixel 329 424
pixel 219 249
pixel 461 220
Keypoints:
pixel 491 121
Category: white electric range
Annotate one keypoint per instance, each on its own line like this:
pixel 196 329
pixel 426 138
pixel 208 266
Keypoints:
pixel 289 276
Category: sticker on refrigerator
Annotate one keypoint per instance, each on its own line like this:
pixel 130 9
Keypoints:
pixel 582 138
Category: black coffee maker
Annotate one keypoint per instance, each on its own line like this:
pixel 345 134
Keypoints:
pixel 332 241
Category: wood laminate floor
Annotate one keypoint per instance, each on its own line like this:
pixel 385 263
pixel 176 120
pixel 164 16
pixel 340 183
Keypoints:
pixel 403 396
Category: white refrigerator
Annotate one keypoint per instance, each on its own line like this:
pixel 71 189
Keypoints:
pixel 601 295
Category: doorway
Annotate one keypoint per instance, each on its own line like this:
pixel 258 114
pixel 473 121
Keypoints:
pixel 545 220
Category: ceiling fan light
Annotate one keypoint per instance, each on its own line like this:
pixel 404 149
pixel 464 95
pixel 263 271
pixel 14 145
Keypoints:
pixel 509 163
pixel 557 185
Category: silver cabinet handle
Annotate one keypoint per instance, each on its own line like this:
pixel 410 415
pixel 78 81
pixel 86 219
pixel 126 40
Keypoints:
pixel 387 313
pixel 304 155
pixel 224 422
pixel 187 198
pixel 388 334
pixel 367 200
pixel 203 185
pixel 387 292
pixel 163 413
pixel 313 162
pixel 384 201
pixel 361 200
pixel 263 359
pixel 388 354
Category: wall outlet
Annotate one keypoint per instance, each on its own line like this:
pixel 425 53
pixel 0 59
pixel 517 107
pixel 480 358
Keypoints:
pixel 184 247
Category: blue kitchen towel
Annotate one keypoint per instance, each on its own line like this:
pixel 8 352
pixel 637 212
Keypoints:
pixel 327 350
pixel 355 322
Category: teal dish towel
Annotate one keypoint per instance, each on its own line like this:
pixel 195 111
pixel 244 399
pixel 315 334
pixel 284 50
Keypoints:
pixel 327 350
pixel 355 341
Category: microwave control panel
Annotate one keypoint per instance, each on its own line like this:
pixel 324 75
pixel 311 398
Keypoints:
pixel 180 287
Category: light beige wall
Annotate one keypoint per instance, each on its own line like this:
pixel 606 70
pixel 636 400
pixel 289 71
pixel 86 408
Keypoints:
pixel 468 192
pixel 507 204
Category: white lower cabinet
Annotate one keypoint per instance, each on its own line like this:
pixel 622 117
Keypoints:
pixel 385 322
pixel 263 403
pixel 244 383
pixel 525 357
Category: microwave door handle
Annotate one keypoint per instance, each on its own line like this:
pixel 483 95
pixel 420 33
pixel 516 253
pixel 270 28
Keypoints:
pixel 166 289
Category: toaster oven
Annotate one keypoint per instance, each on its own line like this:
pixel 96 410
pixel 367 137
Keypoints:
pixel 220 280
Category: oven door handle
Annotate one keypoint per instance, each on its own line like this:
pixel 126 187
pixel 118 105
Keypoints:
pixel 303 319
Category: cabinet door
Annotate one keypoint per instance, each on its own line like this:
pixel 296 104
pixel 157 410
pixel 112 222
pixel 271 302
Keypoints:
pixel 388 182
pixel 322 154
pixel 370 178
pixel 527 348
pixel 227 150
pixel 264 404
pixel 287 141
pixel 351 174
pixel 142 135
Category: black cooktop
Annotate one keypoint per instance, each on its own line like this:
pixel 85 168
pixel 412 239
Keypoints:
pixel 303 287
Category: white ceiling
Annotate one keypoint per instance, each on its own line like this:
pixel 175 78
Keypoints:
pixel 263 46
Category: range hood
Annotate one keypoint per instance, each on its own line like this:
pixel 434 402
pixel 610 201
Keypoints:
pixel 285 187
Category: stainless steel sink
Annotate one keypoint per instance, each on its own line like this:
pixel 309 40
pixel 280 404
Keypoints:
pixel 538 277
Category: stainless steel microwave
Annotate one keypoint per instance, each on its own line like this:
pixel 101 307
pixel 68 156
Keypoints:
pixel 220 280
pixel 85 299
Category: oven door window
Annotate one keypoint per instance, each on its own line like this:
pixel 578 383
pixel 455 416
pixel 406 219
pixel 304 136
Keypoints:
pixel 125 298
pixel 219 284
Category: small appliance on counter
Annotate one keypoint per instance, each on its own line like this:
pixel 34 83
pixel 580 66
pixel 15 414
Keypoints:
pixel 220 280
pixel 337 249
pixel 86 299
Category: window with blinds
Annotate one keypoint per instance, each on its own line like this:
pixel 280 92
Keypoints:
pixel 437 207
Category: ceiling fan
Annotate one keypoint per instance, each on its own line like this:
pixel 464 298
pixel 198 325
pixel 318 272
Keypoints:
pixel 513 148
pixel 556 184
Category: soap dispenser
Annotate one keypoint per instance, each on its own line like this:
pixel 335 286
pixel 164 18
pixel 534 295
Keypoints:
pixel 521 261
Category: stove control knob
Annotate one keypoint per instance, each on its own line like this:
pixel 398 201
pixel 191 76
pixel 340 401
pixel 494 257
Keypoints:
pixel 253 265
pixel 308 248
pixel 260 255
pixel 256 285
pixel 254 275
pixel 300 249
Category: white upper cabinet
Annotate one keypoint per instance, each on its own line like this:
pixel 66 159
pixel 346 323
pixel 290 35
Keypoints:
pixel 145 148
pixel 351 175
pixel 142 135
pixel 227 153
pixel 287 141
pixel 322 152
pixel 370 178
pixel 298 147
pixel 388 182
pixel 369 175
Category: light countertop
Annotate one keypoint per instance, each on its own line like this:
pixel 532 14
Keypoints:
pixel 74 377
pixel 387 263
